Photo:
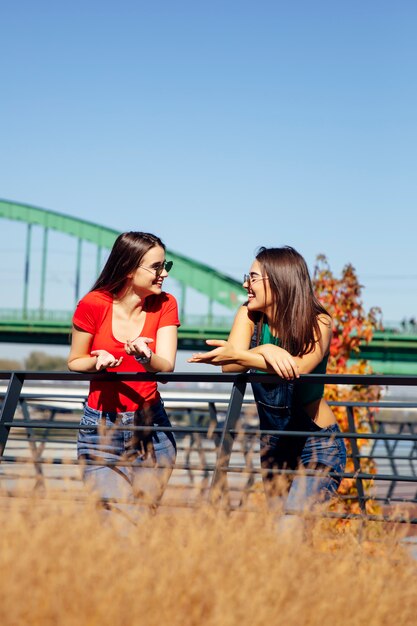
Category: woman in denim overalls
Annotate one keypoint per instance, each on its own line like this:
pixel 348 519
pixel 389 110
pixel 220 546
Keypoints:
pixel 126 323
pixel 283 329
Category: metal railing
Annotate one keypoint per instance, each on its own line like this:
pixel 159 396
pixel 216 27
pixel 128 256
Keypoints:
pixel 65 317
pixel 216 427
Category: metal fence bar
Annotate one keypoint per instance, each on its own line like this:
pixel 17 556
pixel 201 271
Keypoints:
pixel 9 406
pixel 219 480
pixel 233 470
pixel 356 461
pixel 249 432
pixel 391 451
pixel 35 449
pixel 325 379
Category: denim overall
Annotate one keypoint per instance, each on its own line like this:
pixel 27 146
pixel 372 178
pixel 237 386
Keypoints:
pixel 274 402
pixel 279 409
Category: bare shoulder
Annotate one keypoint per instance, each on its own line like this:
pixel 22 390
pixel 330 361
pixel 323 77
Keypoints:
pixel 325 322
pixel 243 327
pixel 244 317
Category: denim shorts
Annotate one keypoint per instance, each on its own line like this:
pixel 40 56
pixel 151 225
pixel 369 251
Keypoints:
pixel 98 437
pixel 325 451
pixel 115 468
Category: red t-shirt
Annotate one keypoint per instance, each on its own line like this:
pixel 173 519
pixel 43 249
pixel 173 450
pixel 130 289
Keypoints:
pixel 94 315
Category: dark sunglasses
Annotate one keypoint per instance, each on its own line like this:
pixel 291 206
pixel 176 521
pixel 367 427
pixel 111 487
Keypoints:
pixel 158 269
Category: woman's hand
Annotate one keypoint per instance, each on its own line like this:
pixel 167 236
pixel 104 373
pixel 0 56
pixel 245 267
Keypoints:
pixel 105 359
pixel 139 347
pixel 280 360
pixel 223 354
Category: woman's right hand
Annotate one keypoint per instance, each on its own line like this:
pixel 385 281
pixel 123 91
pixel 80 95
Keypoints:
pixel 105 359
pixel 222 354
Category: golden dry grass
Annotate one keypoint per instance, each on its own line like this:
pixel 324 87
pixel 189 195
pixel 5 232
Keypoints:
pixel 61 564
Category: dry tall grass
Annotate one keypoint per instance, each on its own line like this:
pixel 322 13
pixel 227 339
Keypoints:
pixel 62 564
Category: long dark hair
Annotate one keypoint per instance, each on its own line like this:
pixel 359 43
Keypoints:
pixel 296 308
pixel 125 257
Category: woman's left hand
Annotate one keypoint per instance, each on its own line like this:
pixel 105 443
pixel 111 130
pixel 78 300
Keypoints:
pixel 280 360
pixel 223 354
pixel 139 347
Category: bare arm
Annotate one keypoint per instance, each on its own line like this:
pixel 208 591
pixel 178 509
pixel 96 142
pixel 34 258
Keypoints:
pixel 235 354
pixel 81 359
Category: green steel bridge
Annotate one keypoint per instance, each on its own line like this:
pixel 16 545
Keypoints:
pixel 390 352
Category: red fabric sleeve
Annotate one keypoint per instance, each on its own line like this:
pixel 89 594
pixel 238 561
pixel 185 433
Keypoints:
pixel 89 313
pixel 169 315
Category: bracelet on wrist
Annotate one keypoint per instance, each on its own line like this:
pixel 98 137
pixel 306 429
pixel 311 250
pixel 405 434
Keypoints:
pixel 143 359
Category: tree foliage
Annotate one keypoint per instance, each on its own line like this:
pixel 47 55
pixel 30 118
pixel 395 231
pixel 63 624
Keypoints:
pixel 351 326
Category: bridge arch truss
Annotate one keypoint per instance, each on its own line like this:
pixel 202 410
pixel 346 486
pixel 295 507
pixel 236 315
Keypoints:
pixel 216 286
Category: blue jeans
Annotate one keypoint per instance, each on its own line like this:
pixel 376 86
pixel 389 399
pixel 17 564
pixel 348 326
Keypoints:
pixel 137 484
pixel 277 411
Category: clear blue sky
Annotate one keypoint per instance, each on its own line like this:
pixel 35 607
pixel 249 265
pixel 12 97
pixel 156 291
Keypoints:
pixel 219 126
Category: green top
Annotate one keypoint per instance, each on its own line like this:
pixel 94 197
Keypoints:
pixel 308 392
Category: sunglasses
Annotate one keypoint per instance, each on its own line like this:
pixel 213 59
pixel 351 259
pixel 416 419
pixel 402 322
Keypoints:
pixel 252 278
pixel 158 268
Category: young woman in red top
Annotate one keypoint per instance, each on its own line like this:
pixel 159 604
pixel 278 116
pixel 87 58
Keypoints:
pixel 126 323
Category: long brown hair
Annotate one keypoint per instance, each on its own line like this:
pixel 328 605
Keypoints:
pixel 296 308
pixel 125 257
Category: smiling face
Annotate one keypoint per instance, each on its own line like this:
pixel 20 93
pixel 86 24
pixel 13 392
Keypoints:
pixel 148 278
pixel 258 288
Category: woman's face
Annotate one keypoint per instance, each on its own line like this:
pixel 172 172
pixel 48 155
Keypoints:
pixel 148 278
pixel 258 288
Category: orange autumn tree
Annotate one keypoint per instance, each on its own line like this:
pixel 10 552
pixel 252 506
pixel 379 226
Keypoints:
pixel 351 325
